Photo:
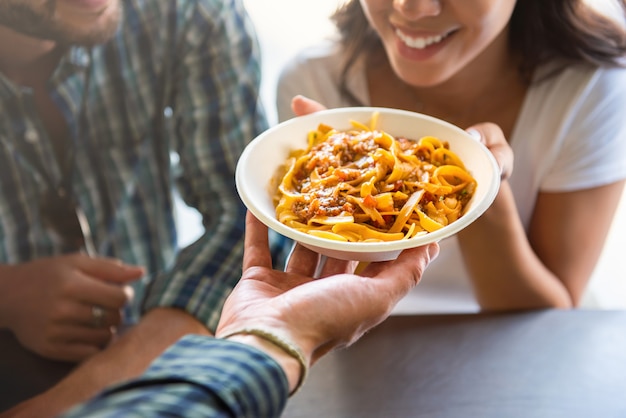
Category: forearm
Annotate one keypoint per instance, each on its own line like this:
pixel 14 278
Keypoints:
pixel 126 358
pixel 201 377
pixel 506 272
pixel 5 295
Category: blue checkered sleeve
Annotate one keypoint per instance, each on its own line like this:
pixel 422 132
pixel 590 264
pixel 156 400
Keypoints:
pixel 198 377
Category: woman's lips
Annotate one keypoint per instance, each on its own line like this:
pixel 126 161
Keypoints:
pixel 422 46
pixel 419 42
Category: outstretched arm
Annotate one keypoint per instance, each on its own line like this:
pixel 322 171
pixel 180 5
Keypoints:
pixel 127 358
pixel 251 375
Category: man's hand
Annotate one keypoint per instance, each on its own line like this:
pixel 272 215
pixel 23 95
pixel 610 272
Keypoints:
pixel 317 314
pixel 65 308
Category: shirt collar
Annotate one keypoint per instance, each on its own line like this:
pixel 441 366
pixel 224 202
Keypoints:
pixel 76 60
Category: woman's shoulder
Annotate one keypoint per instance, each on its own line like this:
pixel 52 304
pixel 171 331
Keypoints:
pixel 322 57
pixel 576 92
pixel 566 99
pixel 579 77
pixel 314 72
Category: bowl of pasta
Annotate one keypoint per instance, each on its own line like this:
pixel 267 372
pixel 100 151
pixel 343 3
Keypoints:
pixel 365 183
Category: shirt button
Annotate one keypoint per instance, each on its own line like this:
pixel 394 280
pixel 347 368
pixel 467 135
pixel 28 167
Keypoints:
pixel 31 136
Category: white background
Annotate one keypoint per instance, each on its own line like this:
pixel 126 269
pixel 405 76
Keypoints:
pixel 284 27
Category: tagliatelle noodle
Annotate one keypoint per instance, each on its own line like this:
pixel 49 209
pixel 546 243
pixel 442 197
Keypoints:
pixel 365 185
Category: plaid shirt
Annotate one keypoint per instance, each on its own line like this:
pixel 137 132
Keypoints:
pixel 123 177
pixel 198 377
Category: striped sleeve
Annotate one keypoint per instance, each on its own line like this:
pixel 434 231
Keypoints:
pixel 218 111
pixel 198 377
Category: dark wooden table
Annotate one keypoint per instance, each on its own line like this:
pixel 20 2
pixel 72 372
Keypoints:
pixel 24 374
pixel 541 364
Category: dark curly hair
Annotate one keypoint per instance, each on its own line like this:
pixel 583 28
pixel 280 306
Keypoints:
pixel 566 31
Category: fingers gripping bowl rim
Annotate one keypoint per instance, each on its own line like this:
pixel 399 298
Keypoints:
pixel 264 155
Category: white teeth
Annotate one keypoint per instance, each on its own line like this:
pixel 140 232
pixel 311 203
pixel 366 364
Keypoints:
pixel 421 42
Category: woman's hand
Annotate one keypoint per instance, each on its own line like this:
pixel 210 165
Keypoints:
pixel 493 138
pixel 302 105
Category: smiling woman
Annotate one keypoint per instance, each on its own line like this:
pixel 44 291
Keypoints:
pixel 300 23
pixel 471 64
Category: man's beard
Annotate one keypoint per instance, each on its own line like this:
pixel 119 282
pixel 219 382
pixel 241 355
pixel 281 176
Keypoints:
pixel 40 23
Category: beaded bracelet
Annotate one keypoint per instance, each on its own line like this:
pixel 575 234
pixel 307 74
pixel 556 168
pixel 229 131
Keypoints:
pixel 287 346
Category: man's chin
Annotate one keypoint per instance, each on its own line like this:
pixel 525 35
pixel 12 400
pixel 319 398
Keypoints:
pixel 89 29
pixel 90 34
pixel 65 28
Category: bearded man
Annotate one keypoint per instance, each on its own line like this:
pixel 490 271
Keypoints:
pixel 106 108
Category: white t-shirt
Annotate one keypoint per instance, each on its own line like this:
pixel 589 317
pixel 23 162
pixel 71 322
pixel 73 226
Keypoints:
pixel 570 135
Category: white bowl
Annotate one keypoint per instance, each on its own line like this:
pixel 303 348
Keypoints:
pixel 266 153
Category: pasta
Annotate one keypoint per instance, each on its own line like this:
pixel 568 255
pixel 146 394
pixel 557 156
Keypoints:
pixel 364 185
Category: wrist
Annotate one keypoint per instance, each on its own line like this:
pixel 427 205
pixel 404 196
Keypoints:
pixel 288 355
